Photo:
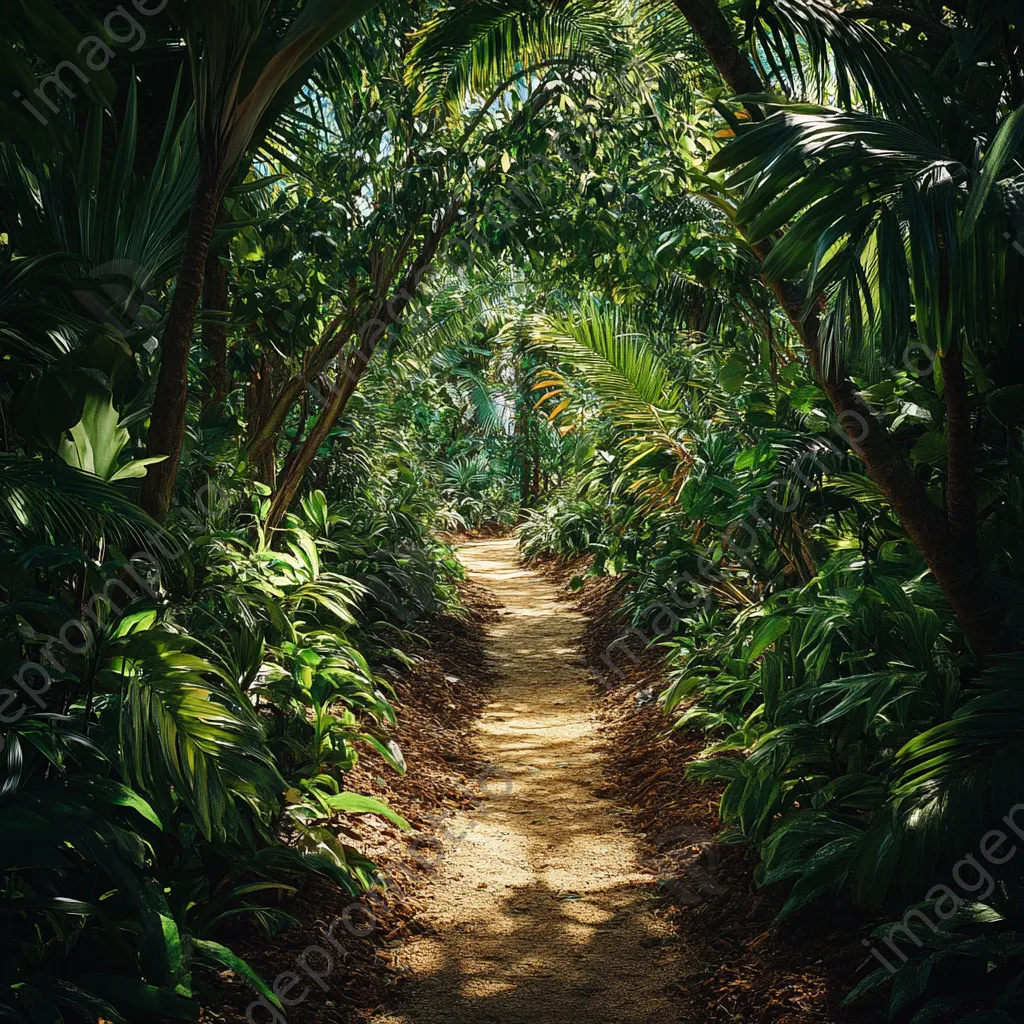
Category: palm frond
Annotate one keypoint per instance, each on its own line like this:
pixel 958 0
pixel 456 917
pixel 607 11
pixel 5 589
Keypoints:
pixel 618 362
pixel 185 730
pixel 49 495
pixel 471 49
pixel 974 759
pixel 817 52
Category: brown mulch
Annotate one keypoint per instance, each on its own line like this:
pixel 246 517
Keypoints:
pixel 563 570
pixel 438 698
pixel 751 970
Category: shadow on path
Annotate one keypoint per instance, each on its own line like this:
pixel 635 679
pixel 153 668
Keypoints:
pixel 538 911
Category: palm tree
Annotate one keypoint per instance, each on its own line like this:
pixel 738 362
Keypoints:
pixel 244 59
pixel 857 55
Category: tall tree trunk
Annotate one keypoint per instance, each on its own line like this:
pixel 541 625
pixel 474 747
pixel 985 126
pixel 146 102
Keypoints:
pixel 258 399
pixel 299 461
pixel 712 28
pixel 167 421
pixel 522 433
pixel 961 487
pixel 263 436
pixel 215 333
pixel 535 456
pixel 960 580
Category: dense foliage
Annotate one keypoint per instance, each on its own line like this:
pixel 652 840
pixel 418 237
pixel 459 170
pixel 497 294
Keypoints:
pixel 718 294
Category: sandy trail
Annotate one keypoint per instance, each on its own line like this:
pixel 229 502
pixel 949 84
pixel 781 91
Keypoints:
pixel 538 911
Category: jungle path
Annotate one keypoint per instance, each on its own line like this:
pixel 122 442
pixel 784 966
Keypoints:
pixel 538 911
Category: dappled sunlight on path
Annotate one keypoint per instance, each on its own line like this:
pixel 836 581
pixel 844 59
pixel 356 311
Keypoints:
pixel 538 912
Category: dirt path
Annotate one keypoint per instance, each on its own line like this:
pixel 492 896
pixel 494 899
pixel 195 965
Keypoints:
pixel 538 910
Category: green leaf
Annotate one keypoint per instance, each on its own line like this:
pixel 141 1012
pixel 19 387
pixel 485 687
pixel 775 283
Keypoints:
pixel 223 956
pixel 136 469
pixel 733 375
pixel 353 803
pixel 390 751
pixel 113 792
pixel 766 635
pixel 930 448
pixel 1004 147
pixel 160 947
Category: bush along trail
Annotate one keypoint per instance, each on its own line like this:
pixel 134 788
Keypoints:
pixel 743 965
pixel 339 950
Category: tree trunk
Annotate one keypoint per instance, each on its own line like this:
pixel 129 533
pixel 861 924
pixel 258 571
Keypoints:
pixel 961 487
pixel 535 455
pixel 523 436
pixel 341 329
pixel 258 398
pixel 303 420
pixel 215 333
pixel 960 580
pixel 971 600
pixel 262 437
pixel 385 315
pixel 299 461
pixel 167 421
pixel 712 28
